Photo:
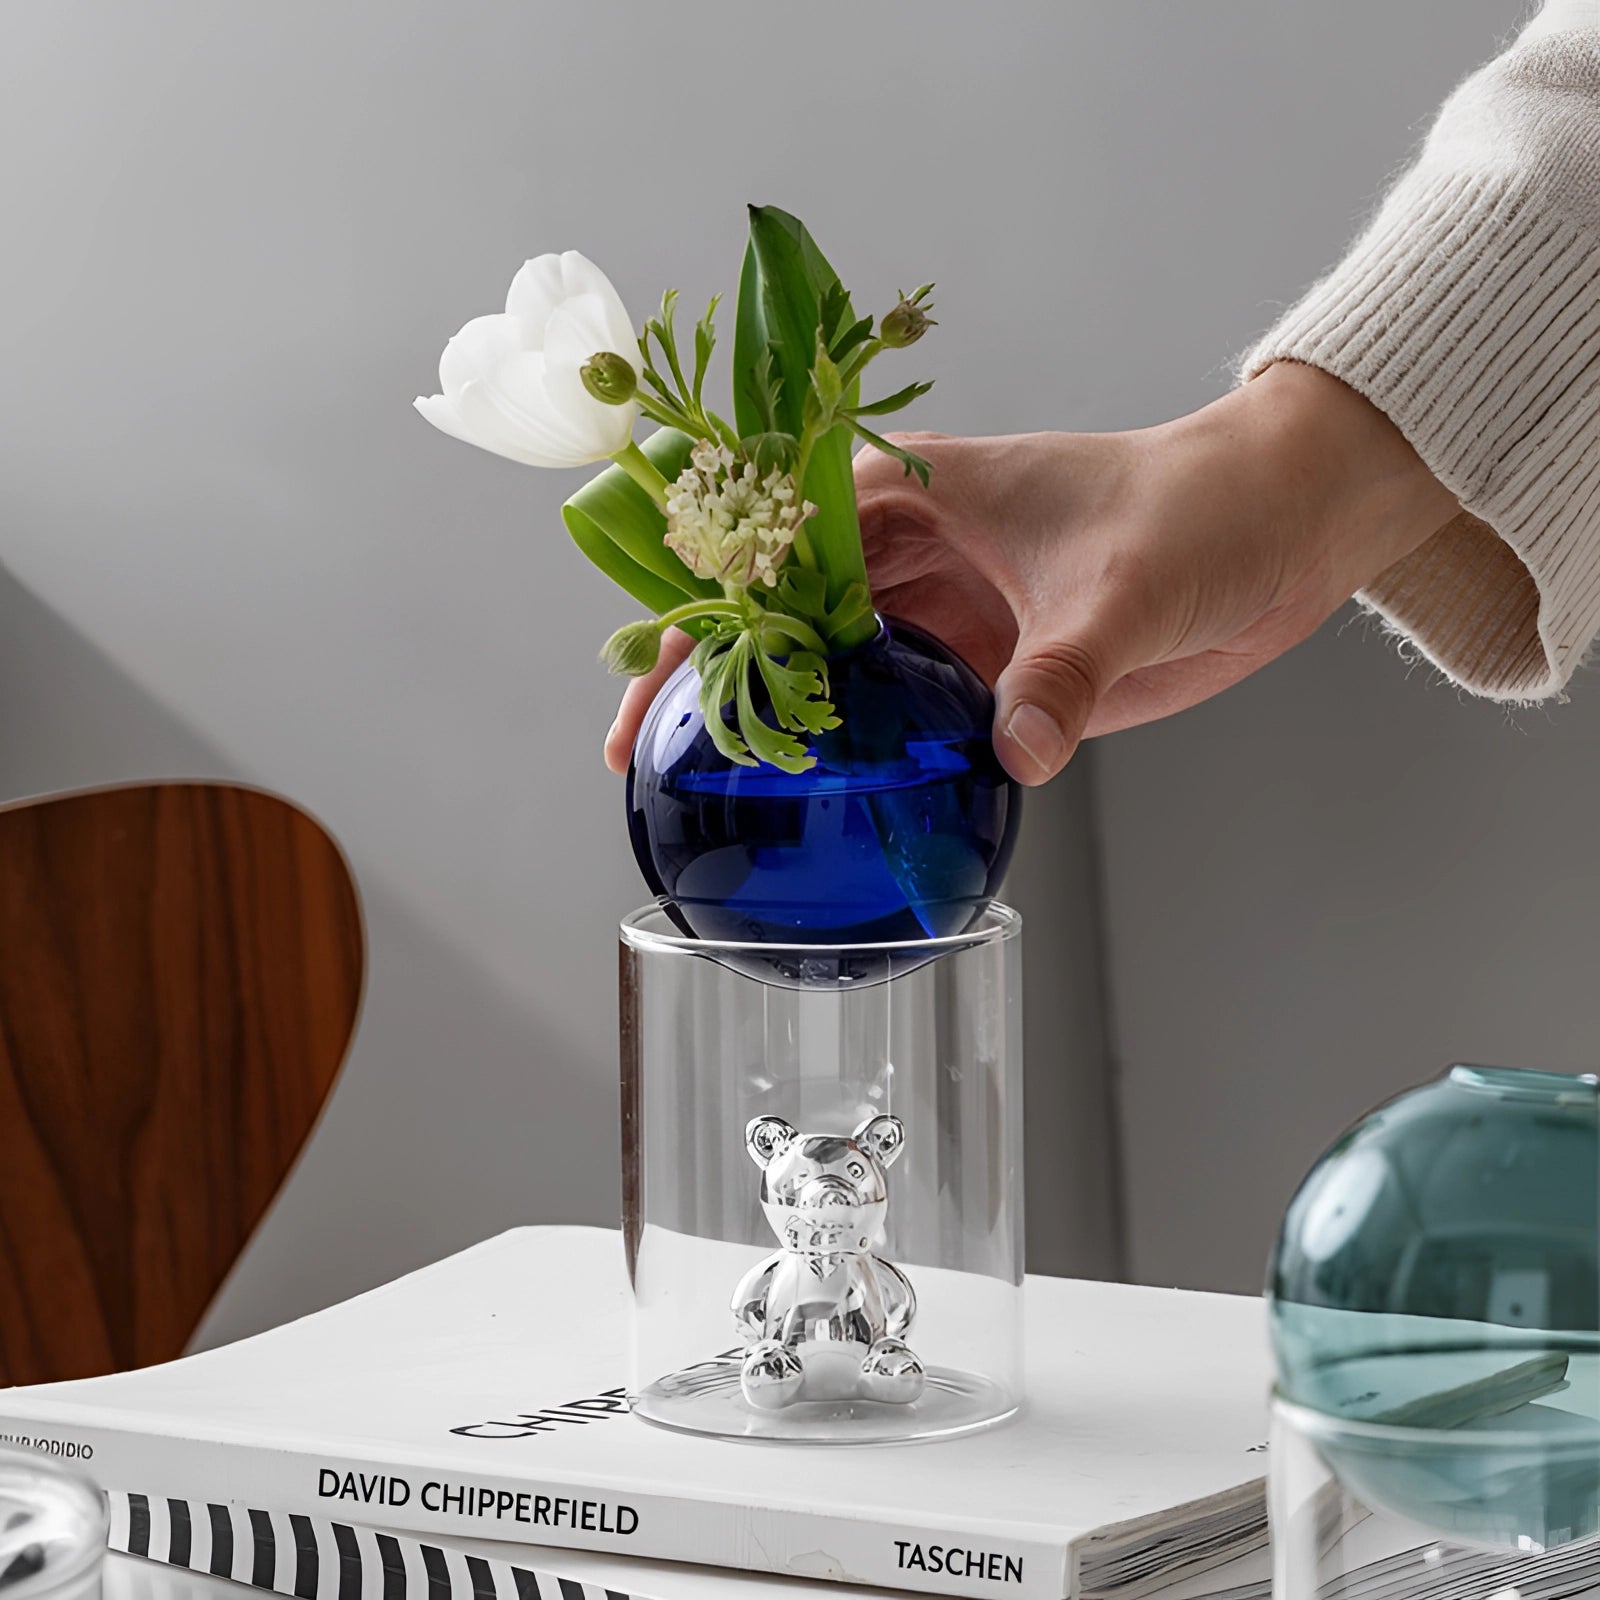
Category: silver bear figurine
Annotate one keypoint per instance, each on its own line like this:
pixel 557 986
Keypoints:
pixel 824 1318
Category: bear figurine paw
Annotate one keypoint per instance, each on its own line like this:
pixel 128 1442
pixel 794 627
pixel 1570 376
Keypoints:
pixel 771 1376
pixel 892 1372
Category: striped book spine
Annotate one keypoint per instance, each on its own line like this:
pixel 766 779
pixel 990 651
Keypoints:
pixel 311 1558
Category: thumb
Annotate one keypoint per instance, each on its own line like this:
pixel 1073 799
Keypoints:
pixel 1043 701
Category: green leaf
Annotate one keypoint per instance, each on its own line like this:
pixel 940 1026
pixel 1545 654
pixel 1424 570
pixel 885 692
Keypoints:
pixel 909 459
pixel 723 430
pixel 622 570
pixel 845 342
pixel 803 592
pixel 704 654
pixel 844 617
pixel 825 381
pixel 753 381
pixel 810 661
pixel 716 659
pixel 758 396
pixel 835 532
pixel 769 744
pixel 789 632
pixel 785 284
pixel 833 312
pixel 770 451
pixel 705 341
pixel 665 399
pixel 793 277
pixel 796 681
pixel 620 528
pixel 897 401
pixel 667 338
pixel 798 690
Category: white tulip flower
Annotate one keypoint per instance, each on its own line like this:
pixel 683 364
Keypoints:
pixel 513 382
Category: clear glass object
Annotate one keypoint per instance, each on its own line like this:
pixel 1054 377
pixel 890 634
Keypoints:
pixel 1340 1492
pixel 822 1183
pixel 1435 1315
pixel 52 1529
pixel 901 829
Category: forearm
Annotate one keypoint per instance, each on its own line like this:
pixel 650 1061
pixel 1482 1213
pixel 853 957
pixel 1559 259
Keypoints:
pixel 1469 314
pixel 1319 461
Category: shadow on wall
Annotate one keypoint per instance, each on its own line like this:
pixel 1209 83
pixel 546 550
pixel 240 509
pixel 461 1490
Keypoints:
pixel 88 723
pixel 1330 884
pixel 1073 1140
pixel 85 722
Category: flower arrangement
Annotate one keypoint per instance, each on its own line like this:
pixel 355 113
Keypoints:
pixel 743 533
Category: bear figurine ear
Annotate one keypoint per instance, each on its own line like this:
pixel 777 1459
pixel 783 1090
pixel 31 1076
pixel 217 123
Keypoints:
pixel 766 1137
pixel 883 1135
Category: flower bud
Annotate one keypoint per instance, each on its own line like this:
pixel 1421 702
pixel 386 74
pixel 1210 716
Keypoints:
pixel 907 322
pixel 610 378
pixel 633 650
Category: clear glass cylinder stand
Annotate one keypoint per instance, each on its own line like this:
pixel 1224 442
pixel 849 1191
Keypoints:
pixel 822 1171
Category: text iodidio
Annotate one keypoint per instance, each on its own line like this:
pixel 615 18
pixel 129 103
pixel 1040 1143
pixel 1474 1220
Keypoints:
pixel 477 1500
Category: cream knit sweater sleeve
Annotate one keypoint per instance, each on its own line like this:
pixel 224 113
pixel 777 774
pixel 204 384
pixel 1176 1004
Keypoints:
pixel 1469 312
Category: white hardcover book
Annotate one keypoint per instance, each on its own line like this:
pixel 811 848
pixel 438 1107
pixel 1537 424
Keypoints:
pixel 483 1397
pixel 312 1558
pixel 315 1558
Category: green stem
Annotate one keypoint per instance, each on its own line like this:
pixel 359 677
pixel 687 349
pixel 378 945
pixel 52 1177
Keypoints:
pixel 722 430
pixel 643 471
pixel 698 608
pixel 803 553
pixel 802 457
pixel 801 632
pixel 855 364
pixel 853 620
pixel 669 416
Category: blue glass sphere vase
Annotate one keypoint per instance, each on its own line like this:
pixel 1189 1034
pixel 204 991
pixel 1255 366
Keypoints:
pixel 902 829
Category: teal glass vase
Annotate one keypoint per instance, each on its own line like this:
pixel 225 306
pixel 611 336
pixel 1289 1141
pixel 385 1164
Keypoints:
pixel 1435 1307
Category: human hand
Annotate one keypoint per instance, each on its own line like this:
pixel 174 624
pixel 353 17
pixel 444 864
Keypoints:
pixel 1098 581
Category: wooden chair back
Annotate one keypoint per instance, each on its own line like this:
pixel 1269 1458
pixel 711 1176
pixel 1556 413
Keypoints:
pixel 180 973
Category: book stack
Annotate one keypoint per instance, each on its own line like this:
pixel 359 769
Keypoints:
pixel 463 1432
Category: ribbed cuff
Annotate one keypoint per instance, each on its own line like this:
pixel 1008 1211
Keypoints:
pixel 1469 313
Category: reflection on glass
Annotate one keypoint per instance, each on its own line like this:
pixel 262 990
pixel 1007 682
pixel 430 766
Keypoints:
pixel 52 1529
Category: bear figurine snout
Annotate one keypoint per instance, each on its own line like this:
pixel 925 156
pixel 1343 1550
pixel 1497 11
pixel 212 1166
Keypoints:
pixel 829 1191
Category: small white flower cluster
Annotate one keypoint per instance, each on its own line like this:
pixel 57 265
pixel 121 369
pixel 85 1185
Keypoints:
pixel 728 523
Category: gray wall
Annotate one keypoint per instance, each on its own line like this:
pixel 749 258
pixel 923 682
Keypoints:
pixel 1333 881
pixel 236 239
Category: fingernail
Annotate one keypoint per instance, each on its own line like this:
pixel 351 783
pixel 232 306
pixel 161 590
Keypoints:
pixel 1038 735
